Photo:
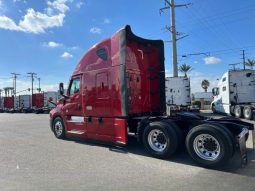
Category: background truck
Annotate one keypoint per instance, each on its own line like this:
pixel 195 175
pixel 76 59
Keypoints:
pixel 178 92
pixel 235 94
pixel 118 89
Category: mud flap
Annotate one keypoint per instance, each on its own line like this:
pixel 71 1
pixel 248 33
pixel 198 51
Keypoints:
pixel 242 146
pixel 253 139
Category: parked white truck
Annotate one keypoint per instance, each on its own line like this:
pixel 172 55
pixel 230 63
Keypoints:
pixel 178 91
pixel 235 94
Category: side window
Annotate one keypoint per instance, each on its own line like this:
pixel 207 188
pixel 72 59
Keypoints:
pixel 224 88
pixel 224 79
pixel 75 86
pixel 102 53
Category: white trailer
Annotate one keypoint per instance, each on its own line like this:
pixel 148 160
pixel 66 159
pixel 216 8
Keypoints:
pixel 235 94
pixel 25 101
pixel 178 91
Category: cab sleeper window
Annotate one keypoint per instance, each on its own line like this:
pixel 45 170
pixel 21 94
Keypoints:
pixel 102 53
pixel 75 86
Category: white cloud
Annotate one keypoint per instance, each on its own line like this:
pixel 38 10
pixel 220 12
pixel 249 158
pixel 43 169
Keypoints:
pixel 95 30
pixel 74 47
pixel 37 22
pixel 52 44
pixel 7 23
pixel 66 55
pixel 79 4
pixel 59 5
pixel 212 60
pixel 107 21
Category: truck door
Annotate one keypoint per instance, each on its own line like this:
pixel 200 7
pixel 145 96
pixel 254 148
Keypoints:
pixel 73 108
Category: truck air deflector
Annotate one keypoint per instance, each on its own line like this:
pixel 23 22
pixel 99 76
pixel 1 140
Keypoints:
pixel 127 36
pixel 123 85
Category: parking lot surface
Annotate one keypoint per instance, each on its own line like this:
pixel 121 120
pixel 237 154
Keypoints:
pixel 31 158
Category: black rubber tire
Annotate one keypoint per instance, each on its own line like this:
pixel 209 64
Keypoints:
pixel 230 135
pixel 179 133
pixel 58 120
pixel 232 108
pixel 238 111
pixel 223 138
pixel 247 112
pixel 170 135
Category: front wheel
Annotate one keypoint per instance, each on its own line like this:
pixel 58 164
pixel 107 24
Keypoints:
pixel 209 146
pixel 160 139
pixel 58 128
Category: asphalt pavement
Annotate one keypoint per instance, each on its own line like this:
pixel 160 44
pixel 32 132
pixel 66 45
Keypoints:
pixel 32 159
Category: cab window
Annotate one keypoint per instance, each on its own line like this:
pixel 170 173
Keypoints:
pixel 75 86
pixel 101 53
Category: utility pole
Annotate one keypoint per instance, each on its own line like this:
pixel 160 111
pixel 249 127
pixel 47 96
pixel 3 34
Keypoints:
pixel 39 89
pixel 14 83
pixel 32 75
pixel 172 29
pixel 243 54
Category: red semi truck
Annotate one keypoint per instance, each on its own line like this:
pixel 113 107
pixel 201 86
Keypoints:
pixel 118 88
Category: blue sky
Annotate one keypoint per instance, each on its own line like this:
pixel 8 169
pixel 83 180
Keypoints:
pixel 49 37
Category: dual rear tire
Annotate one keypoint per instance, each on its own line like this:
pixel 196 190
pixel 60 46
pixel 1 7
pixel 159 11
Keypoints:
pixel 243 111
pixel 210 145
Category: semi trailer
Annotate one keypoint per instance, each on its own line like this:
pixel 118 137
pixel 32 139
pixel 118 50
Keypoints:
pixel 178 91
pixel 235 94
pixel 118 89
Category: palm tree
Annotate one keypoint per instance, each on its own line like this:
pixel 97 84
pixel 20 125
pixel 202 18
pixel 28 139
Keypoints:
pixel 205 84
pixel 250 62
pixel 185 68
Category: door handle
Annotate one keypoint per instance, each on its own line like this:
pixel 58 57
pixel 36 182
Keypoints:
pixel 100 119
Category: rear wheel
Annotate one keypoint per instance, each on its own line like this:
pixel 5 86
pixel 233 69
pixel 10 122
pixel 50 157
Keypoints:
pixel 160 139
pixel 247 112
pixel 209 146
pixel 232 108
pixel 58 128
pixel 238 111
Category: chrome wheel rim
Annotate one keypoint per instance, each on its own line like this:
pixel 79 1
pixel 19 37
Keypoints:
pixel 247 112
pixel 237 111
pixel 58 128
pixel 206 147
pixel 157 140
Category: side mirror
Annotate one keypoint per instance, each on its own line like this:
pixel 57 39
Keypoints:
pixel 213 91
pixel 61 88
pixel 50 99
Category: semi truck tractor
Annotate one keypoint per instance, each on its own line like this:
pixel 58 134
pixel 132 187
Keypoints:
pixel 235 94
pixel 118 89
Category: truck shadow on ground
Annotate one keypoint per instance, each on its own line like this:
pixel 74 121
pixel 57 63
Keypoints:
pixel 233 166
